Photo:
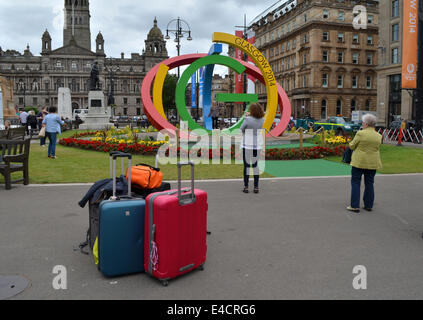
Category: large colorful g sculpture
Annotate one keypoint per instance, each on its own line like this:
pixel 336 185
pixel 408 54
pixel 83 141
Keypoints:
pixel 275 94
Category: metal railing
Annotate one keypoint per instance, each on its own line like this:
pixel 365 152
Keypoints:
pixel 408 135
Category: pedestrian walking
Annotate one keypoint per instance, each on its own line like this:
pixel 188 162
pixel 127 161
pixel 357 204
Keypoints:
pixel 40 117
pixel 365 161
pixel 23 116
pixel 252 143
pixel 31 121
pixel 52 123
pixel 214 113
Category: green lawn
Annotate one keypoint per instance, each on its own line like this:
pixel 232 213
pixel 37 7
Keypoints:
pixel 83 166
pixel 397 160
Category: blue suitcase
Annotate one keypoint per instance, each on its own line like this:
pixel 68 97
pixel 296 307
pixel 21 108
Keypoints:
pixel 121 231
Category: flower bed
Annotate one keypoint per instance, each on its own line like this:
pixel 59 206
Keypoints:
pixel 305 154
pixel 142 147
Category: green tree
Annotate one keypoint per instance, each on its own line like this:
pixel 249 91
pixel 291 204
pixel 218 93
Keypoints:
pixel 169 89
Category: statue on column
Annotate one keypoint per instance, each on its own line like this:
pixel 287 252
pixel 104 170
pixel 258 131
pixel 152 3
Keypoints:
pixel 94 81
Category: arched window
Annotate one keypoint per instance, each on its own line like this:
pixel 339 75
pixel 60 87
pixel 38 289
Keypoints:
pixel 324 109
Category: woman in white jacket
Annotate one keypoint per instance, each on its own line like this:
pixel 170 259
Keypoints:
pixel 252 143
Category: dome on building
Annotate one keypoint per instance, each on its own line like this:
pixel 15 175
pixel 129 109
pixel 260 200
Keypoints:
pixel 155 32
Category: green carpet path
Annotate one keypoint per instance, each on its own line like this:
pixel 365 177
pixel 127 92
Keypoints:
pixel 306 168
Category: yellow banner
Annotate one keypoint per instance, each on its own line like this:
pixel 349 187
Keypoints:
pixel 410 44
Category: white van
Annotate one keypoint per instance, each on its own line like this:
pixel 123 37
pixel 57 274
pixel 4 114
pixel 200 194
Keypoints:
pixel 81 112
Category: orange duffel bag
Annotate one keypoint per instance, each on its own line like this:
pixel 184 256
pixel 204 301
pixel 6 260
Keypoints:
pixel 146 176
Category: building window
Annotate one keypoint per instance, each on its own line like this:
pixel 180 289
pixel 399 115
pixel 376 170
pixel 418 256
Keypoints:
pixel 138 101
pixel 325 80
pixel 338 107
pixel 325 56
pixel 288 46
pixel 34 101
pixel 325 14
pixel 353 105
pixel 323 113
pixel 47 101
pixel 355 39
pixel 73 66
pixel 325 36
pixel 125 111
pixel 341 16
pixel 370 19
pixel 395 56
pixel 355 58
pixel 370 40
pixel 59 64
pixel 138 111
pixel 125 100
pixel 340 81
pixel 370 59
pixel 340 57
pixel 305 17
pixel 354 82
pixel 21 101
pixel 294 43
pixel 395 8
pixel 282 48
pixel 369 82
pixel 341 37
pixel 367 105
pixel 395 32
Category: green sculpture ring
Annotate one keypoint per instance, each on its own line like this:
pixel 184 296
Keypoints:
pixel 186 76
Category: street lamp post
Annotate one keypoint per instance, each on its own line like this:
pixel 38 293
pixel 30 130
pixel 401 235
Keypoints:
pixel 245 57
pixel 178 32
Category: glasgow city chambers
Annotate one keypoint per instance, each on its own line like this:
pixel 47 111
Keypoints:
pixel 37 78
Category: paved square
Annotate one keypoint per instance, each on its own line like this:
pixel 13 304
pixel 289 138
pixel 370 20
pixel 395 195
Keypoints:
pixel 292 241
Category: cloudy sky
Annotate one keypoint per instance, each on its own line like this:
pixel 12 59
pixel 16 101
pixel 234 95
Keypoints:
pixel 124 23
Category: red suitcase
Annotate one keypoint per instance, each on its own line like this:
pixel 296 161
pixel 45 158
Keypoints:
pixel 175 231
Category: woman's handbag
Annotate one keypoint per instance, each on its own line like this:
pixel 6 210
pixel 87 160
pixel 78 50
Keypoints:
pixel 42 133
pixel 347 155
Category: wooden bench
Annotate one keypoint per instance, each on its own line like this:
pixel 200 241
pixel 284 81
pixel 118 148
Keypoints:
pixel 17 133
pixel 14 157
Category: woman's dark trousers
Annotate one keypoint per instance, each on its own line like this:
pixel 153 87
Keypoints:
pixel 369 193
pixel 250 161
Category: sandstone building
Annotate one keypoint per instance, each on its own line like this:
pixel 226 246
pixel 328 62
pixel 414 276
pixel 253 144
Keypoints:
pixel 37 78
pixel 325 65
pixel 393 102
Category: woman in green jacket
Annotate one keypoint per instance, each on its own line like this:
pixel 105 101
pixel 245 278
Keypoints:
pixel 365 161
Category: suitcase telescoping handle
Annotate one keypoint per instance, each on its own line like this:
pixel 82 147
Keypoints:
pixel 121 155
pixel 111 163
pixel 186 199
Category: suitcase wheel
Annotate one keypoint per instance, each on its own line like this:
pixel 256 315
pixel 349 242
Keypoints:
pixel 201 268
pixel 165 283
